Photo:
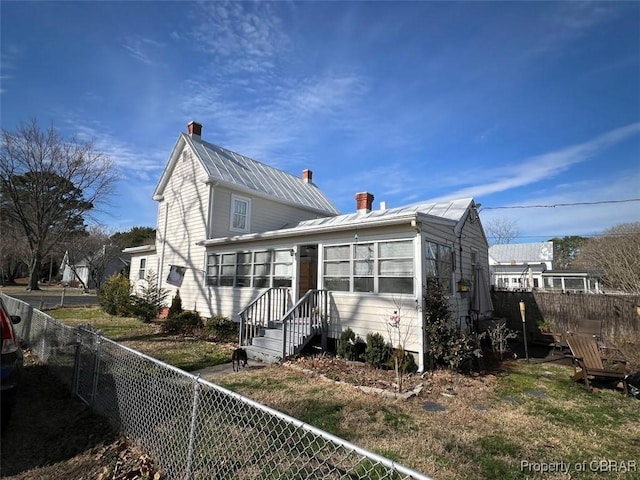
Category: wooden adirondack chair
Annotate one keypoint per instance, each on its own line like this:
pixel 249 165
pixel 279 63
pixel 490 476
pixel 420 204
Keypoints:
pixel 587 361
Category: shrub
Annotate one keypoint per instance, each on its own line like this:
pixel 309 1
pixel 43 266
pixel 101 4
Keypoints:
pixel 499 336
pixel 186 323
pixel 115 296
pixel 377 351
pixel 407 362
pixel 147 305
pixel 347 347
pixel 448 346
pixel 176 305
pixel 221 329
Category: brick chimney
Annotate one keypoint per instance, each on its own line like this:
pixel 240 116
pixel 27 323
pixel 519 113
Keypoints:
pixel 307 175
pixel 194 128
pixel 364 202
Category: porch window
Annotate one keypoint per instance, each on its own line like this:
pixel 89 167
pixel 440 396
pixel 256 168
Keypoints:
pixel 282 268
pixel 363 268
pixel 240 214
pixel 212 269
pixel 438 265
pixel 142 270
pixel 227 270
pixel 376 267
pixel 395 267
pixel 259 269
pixel 337 261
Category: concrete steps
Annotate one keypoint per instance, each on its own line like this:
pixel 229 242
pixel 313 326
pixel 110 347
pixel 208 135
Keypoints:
pixel 268 346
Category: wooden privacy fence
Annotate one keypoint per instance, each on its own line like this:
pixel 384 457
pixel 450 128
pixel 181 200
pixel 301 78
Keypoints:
pixel 602 315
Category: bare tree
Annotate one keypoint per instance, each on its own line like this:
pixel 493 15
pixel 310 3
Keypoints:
pixel 616 255
pixel 399 329
pixel 48 185
pixel 14 255
pixel 501 230
pixel 90 250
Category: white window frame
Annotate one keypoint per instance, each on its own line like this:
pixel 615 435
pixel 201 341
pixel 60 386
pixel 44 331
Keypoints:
pixel 233 213
pixel 443 264
pixel 142 270
pixel 365 267
pixel 247 267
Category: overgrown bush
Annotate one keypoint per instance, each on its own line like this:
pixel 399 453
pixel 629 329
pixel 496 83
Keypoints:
pixel 176 305
pixel 499 336
pixel 115 295
pixel 347 347
pixel 448 346
pixel 407 362
pixel 220 329
pixel 147 304
pixel 187 323
pixel 377 350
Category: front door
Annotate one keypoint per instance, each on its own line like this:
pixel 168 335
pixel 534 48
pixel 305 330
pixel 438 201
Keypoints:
pixel 308 273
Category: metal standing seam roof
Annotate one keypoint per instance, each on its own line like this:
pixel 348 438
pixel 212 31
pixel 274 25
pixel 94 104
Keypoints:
pixel 233 168
pixel 452 210
pixel 522 252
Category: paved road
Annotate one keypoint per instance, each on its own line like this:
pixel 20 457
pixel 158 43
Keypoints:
pixel 46 300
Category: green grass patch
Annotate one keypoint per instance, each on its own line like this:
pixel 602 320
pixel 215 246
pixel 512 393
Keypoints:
pixel 112 327
pixel 247 385
pixel 186 353
pixel 396 419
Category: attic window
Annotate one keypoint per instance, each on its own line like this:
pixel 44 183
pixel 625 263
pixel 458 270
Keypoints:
pixel 240 214
pixel 186 155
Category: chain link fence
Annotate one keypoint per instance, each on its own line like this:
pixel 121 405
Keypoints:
pixel 193 428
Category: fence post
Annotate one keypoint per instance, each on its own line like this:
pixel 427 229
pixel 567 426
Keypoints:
pixel 43 340
pixel 76 364
pixel 26 324
pixel 96 365
pixel 192 428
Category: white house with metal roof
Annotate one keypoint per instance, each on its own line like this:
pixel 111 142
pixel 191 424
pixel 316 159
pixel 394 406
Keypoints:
pixel 519 266
pixel 245 240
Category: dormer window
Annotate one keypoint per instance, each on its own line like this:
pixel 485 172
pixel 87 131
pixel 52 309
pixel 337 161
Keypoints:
pixel 240 214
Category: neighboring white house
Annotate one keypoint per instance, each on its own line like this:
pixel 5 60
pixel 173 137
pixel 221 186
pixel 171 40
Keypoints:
pixel 95 269
pixel 232 232
pixel 528 266
pixel 519 266
pixel 572 281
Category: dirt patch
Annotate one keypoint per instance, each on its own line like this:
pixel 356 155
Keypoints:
pixel 53 435
pixel 358 374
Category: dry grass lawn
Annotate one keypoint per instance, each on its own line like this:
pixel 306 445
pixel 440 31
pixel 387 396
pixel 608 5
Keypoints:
pixel 492 423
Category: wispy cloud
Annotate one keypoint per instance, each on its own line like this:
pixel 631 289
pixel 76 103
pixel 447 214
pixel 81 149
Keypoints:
pixel 132 162
pixel 540 167
pixel 247 37
pixel 139 47
pixel 9 54
pixel 543 223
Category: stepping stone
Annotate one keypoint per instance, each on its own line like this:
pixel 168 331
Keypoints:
pixel 535 393
pixel 510 399
pixel 433 407
pixel 479 408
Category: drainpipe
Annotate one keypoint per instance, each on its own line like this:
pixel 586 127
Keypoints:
pixel 164 243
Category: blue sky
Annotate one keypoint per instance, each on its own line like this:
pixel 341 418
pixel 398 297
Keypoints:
pixel 524 103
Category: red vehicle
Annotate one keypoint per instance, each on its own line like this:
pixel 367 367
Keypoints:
pixel 10 364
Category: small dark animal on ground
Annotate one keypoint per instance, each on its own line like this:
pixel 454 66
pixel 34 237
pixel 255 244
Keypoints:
pixel 238 355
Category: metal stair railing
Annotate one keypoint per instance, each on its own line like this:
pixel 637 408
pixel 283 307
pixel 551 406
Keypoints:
pixel 263 312
pixel 309 316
